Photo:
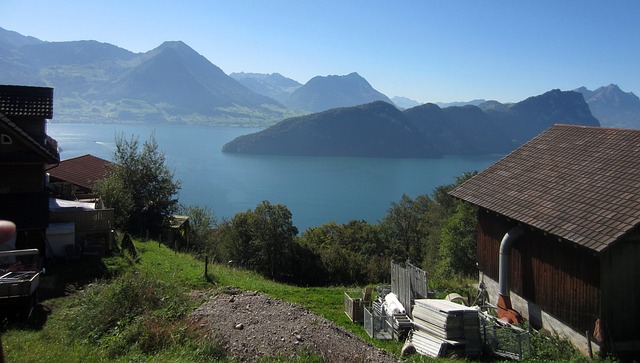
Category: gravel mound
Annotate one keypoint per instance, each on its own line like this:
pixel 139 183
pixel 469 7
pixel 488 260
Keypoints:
pixel 251 325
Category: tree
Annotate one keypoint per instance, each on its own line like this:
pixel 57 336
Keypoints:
pixel 202 221
pixel 139 187
pixel 458 242
pixel 272 234
pixel 405 226
pixel 348 253
pixel 263 240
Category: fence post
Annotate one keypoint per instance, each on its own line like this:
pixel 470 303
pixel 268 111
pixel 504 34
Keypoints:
pixel 206 266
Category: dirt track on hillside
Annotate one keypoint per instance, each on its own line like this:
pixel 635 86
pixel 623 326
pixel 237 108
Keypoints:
pixel 251 325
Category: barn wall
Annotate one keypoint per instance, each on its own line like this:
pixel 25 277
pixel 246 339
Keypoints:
pixel 539 318
pixel 561 278
pixel 620 293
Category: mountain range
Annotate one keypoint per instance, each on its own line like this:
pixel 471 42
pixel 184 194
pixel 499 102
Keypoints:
pixel 379 129
pixel 100 82
pixel 613 107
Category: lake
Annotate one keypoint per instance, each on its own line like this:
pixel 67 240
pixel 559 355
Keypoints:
pixel 315 189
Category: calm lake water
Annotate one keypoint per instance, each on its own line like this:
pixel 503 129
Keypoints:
pixel 315 189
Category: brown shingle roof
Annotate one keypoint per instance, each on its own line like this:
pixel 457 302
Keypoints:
pixel 578 183
pixel 82 170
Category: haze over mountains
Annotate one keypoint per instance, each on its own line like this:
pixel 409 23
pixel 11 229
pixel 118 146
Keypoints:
pixel 100 82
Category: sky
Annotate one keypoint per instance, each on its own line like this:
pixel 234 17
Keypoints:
pixel 429 51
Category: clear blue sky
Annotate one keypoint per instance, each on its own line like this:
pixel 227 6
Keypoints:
pixel 426 50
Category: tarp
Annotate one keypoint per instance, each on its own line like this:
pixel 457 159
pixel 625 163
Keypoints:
pixel 56 204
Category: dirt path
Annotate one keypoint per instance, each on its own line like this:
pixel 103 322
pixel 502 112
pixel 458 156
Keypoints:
pixel 252 325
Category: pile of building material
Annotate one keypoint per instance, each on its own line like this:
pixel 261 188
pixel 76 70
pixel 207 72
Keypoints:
pixel 401 323
pixel 442 327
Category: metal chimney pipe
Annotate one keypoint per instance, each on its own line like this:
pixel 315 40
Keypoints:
pixel 505 259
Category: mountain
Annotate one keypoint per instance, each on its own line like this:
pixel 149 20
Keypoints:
pixel 476 102
pixel 324 93
pixel 404 102
pixel 379 129
pixel 100 82
pixel 10 38
pixel 173 71
pixel 272 85
pixel 613 107
pixel 376 129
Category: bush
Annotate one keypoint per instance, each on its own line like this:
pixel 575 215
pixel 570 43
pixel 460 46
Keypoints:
pixel 132 311
pixel 202 222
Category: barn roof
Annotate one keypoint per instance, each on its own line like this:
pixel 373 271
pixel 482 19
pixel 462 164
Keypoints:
pixel 578 183
pixel 82 170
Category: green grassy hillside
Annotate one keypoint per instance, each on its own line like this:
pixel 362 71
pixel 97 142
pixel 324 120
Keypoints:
pixel 125 309
pixel 67 328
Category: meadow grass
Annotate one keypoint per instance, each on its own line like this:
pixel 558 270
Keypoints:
pixel 54 341
pixel 53 336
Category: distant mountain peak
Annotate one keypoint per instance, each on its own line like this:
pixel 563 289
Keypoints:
pixel 15 39
pixel 272 85
pixel 612 106
pixel 323 93
pixel 175 44
pixel 404 102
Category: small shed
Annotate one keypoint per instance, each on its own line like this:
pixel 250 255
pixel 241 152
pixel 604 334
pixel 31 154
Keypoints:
pixel 558 237
pixel 77 176
pixel 177 235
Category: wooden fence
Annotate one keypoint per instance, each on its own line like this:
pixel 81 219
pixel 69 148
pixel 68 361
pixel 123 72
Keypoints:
pixel 408 283
pixel 88 225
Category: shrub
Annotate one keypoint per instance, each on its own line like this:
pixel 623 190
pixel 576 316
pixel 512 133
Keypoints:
pixel 133 310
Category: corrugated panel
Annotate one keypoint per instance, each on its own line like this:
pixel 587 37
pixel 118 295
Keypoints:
pixel 438 323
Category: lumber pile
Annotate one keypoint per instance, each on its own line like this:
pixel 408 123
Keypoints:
pixel 442 327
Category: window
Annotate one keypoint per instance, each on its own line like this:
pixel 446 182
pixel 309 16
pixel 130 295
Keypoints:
pixel 5 139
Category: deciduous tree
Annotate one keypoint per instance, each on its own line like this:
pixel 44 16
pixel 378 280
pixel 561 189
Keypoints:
pixel 140 186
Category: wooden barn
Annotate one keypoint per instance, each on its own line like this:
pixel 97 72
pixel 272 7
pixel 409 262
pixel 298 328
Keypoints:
pixel 559 234
pixel 25 149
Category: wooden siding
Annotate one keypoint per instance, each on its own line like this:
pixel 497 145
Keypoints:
pixel 22 178
pixel 620 293
pixel 560 277
pixel 26 210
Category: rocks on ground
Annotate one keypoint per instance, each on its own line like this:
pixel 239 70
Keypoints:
pixel 252 325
